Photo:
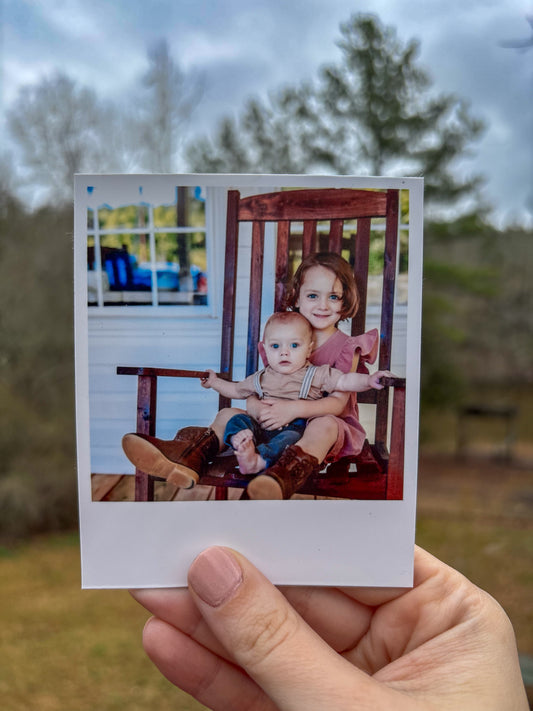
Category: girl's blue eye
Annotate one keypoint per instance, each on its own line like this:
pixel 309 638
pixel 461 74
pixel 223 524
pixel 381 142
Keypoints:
pixel 311 296
pixel 335 297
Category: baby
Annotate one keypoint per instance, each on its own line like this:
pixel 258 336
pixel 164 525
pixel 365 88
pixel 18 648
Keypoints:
pixel 287 343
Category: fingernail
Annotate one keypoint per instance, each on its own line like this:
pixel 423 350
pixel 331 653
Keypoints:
pixel 215 576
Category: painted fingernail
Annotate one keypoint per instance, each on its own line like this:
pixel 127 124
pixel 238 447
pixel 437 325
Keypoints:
pixel 215 576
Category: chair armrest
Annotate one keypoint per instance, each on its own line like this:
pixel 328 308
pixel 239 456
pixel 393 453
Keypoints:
pixel 370 397
pixel 392 382
pixel 165 372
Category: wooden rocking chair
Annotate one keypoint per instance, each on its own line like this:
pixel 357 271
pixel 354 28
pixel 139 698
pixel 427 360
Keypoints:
pixel 377 473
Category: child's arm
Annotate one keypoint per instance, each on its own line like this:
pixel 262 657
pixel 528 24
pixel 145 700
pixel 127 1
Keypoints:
pixel 281 412
pixel 273 413
pixel 359 382
pixel 226 388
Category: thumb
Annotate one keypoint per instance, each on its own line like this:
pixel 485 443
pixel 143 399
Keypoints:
pixel 269 640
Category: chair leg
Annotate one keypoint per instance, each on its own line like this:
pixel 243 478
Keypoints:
pixel 146 414
pixel 395 472
pixel 144 486
pixel 221 493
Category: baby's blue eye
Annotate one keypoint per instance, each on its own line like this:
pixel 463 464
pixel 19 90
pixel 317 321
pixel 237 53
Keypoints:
pixel 274 345
pixel 294 345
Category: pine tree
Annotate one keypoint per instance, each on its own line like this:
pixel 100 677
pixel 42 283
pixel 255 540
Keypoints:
pixel 371 113
pixel 380 100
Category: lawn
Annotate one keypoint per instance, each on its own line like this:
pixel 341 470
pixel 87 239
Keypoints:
pixel 64 649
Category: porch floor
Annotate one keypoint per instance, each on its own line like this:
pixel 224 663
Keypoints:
pixel 121 487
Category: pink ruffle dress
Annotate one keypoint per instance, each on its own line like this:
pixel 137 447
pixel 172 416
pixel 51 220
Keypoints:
pixel 339 351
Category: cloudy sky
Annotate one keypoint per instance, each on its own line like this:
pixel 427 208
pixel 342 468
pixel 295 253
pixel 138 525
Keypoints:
pixel 248 47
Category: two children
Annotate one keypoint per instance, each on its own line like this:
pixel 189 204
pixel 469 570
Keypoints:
pixel 287 345
pixel 324 292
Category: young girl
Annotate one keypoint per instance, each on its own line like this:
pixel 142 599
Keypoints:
pixel 324 291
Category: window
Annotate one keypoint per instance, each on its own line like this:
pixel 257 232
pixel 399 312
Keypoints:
pixel 149 255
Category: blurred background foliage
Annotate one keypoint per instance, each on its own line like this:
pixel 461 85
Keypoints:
pixel 37 437
pixel 477 319
pixel 477 323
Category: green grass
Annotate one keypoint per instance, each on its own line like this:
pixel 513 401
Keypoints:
pixel 64 649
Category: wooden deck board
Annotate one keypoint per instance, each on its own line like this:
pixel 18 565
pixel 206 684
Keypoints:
pixel 121 487
pixel 198 493
pixel 124 490
pixel 102 484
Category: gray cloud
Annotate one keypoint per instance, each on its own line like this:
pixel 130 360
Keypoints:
pixel 250 47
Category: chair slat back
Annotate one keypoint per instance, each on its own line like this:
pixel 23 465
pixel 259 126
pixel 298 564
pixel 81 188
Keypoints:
pixel 298 214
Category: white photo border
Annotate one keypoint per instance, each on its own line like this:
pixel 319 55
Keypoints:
pixel 152 544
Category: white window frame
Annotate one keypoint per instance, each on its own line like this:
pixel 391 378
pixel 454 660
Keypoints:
pixel 213 221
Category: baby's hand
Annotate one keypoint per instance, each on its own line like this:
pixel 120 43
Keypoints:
pixel 279 413
pixel 210 380
pixel 374 379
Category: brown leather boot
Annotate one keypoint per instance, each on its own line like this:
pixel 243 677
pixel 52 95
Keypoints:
pixel 180 460
pixel 286 476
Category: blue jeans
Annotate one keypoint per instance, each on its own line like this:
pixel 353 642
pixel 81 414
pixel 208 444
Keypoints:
pixel 269 443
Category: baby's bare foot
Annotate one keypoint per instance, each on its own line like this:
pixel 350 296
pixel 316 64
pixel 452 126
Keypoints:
pixel 249 459
pixel 241 437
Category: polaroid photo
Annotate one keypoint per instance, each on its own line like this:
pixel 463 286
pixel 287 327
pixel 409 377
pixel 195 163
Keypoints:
pixel 176 277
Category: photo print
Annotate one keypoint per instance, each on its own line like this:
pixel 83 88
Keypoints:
pixel 247 375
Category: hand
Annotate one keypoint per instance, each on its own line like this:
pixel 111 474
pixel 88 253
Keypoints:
pixel 211 379
pixel 374 379
pixel 234 641
pixel 255 407
pixel 278 413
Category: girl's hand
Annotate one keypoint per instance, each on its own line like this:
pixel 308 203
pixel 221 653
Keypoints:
pixel 211 379
pixel 374 378
pixel 278 413
pixel 234 641
pixel 256 408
